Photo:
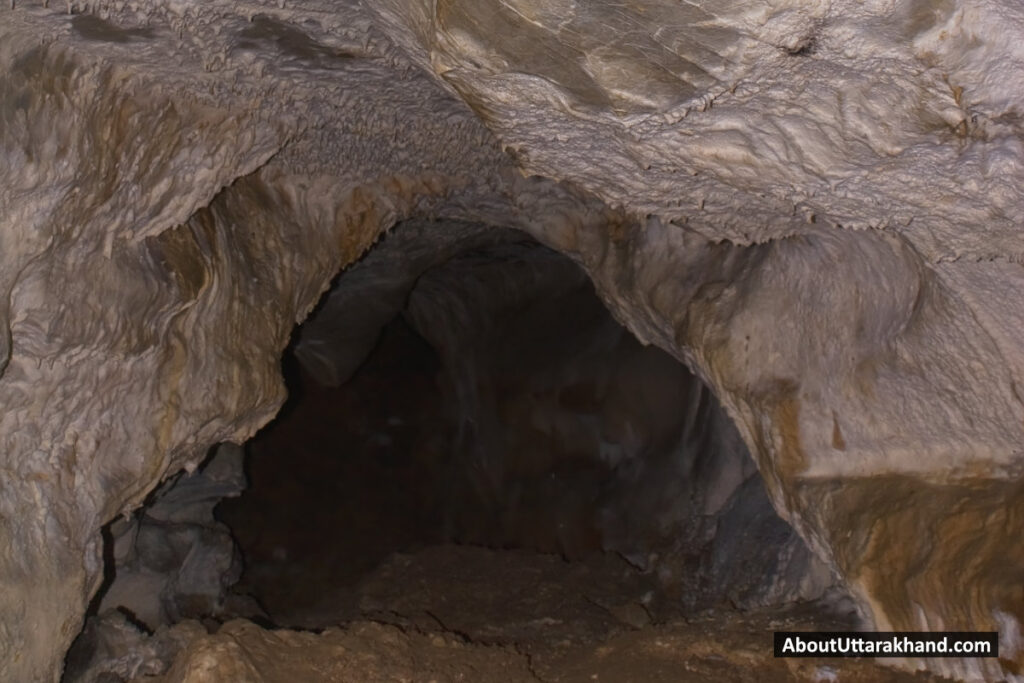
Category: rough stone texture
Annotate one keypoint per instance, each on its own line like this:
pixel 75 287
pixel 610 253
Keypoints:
pixel 489 617
pixel 817 206
pixel 802 112
pixel 495 616
pixel 147 311
pixel 342 332
pixel 111 649
pixel 816 398
pixel 173 560
pixel 243 652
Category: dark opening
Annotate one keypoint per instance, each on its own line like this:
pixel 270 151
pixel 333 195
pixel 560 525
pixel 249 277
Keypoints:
pixel 496 404
pixel 473 446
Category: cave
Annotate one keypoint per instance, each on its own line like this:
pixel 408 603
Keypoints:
pixel 332 329
pixel 494 402
pixel 472 447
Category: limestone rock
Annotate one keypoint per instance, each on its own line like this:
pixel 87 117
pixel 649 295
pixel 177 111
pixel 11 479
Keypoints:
pixel 816 205
pixel 173 560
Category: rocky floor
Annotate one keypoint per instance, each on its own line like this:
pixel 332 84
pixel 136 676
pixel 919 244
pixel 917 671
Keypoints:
pixel 451 613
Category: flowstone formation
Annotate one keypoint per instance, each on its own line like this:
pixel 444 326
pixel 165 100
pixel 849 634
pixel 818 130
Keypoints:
pixel 816 205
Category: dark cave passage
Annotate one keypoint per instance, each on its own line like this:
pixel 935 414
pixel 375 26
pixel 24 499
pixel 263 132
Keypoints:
pixel 498 404
pixel 343 477
pixel 473 447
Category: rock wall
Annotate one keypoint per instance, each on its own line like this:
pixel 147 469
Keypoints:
pixel 843 415
pixel 172 560
pixel 832 192
pixel 153 276
pixel 815 204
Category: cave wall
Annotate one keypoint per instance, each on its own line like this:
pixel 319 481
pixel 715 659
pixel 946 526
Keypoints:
pixel 172 560
pixel 816 205
pixel 154 266
pixel 903 508
pixel 832 193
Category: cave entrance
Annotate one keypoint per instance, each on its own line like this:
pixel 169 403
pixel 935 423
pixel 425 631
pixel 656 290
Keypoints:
pixel 472 447
pixel 478 398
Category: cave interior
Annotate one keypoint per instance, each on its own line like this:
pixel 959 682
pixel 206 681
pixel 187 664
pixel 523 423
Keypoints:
pixel 500 340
